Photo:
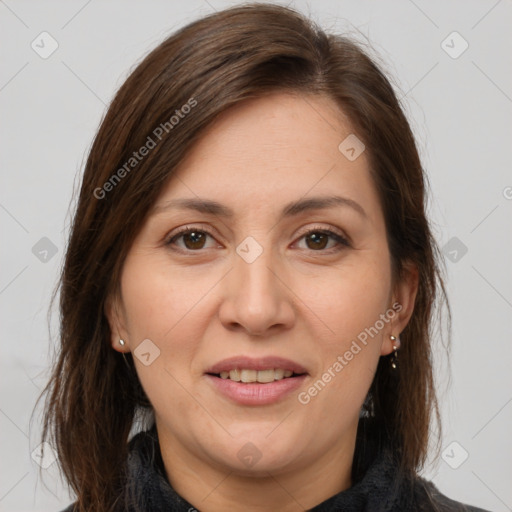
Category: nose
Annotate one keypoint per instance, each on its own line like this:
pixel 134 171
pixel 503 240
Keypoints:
pixel 256 298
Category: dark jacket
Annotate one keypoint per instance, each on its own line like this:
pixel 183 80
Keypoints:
pixel 377 484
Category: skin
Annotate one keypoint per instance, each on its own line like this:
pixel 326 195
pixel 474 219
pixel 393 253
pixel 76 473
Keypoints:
pixel 295 300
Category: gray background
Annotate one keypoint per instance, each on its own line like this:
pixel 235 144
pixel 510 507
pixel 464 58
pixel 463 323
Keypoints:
pixel 460 109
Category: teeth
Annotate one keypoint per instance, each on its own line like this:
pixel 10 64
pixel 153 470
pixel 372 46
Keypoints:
pixel 262 376
pixel 265 376
pixel 249 375
pixel 234 375
pixel 278 374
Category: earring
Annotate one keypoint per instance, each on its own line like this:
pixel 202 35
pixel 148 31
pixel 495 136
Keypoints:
pixel 123 343
pixel 396 346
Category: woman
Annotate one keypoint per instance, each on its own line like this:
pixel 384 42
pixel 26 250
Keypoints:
pixel 249 285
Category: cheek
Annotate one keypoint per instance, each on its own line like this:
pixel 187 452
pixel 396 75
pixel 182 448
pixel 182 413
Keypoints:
pixel 350 310
pixel 152 312
pixel 157 307
pixel 167 306
pixel 350 297
pixel 159 299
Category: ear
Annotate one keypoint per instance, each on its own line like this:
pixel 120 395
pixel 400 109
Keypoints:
pixel 402 304
pixel 115 315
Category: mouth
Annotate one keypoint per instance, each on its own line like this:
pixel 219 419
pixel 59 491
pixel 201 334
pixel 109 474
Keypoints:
pixel 262 381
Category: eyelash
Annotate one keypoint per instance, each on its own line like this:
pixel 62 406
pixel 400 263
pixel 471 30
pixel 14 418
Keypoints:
pixel 342 241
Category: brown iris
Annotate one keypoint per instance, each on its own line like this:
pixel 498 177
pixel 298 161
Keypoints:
pixel 320 240
pixel 197 239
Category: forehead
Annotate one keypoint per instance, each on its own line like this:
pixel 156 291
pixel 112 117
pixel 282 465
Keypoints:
pixel 274 149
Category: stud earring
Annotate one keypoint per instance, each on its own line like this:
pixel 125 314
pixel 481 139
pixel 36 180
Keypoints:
pixel 396 346
pixel 122 343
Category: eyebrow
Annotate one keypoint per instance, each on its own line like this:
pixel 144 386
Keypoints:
pixel 294 208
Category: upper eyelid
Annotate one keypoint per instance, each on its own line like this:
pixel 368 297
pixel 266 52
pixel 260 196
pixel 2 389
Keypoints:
pixel 208 229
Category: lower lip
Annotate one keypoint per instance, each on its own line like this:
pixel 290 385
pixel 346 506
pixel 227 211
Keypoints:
pixel 255 393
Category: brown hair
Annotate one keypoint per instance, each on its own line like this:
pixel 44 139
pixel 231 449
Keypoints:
pixel 218 61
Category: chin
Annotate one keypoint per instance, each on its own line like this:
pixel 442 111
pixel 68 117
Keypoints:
pixel 259 455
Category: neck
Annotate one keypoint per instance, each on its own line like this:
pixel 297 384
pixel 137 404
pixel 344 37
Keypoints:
pixel 211 487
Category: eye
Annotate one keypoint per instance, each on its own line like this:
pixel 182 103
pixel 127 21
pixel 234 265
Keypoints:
pixel 317 239
pixel 193 238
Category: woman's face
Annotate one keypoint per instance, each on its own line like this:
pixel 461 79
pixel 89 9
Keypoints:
pixel 274 276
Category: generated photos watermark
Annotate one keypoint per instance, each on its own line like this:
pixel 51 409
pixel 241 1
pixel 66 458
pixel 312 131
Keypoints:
pixel 151 142
pixel 304 397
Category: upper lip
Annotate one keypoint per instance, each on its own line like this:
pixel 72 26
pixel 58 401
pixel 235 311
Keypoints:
pixel 260 363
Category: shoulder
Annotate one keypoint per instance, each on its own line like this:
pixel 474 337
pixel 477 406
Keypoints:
pixel 428 498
